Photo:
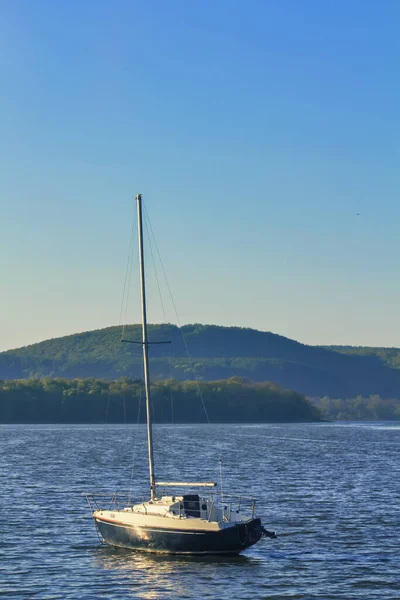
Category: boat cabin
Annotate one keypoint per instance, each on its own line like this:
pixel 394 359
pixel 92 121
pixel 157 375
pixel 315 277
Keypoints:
pixel 186 506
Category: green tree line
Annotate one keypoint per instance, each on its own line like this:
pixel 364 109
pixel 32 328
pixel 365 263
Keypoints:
pixel 92 400
pixel 370 408
pixel 389 357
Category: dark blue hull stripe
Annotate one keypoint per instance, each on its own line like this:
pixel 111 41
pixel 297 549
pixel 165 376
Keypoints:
pixel 230 540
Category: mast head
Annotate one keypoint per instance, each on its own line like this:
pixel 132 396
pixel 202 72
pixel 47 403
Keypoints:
pixel 138 196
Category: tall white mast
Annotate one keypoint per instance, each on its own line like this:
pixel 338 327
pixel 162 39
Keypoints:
pixel 145 347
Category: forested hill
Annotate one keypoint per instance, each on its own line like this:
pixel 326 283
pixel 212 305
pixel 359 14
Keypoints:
pixel 389 357
pixel 217 353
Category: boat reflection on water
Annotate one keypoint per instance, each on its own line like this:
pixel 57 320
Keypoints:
pixel 151 575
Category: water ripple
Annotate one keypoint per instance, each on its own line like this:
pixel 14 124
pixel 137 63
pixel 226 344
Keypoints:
pixel 331 491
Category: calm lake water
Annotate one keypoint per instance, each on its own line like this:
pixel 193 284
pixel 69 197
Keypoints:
pixel 330 490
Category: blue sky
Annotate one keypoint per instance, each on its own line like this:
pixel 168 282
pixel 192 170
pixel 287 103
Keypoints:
pixel 256 131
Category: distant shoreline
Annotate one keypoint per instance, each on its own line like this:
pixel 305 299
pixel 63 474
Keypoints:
pixel 234 400
pixel 142 424
pixel 247 423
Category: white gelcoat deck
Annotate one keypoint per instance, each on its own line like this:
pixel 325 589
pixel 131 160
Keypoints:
pixel 164 513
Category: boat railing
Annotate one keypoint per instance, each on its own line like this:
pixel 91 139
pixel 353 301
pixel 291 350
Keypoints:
pixel 229 504
pixel 107 501
pixel 224 507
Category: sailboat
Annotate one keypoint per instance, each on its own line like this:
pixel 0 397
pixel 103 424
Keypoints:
pixel 178 523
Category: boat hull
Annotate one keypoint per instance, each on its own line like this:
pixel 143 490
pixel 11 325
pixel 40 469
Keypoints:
pixel 229 540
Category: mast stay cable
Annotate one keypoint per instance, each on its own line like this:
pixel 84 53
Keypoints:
pixel 147 225
pixel 123 322
pixel 177 317
pixel 128 275
pixel 136 436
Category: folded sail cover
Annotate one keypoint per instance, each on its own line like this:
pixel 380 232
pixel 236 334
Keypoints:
pixel 186 483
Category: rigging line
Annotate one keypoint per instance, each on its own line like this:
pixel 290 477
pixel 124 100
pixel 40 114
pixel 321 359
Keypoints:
pixel 147 225
pixel 177 318
pixel 152 408
pixel 108 405
pixel 124 404
pixel 135 444
pixel 220 484
pixel 170 387
pixel 128 262
pixel 146 222
pixel 128 291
